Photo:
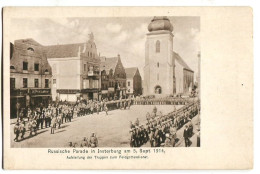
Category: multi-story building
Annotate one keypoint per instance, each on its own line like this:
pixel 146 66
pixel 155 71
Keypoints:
pixel 133 81
pixel 76 73
pixel 113 78
pixel 30 75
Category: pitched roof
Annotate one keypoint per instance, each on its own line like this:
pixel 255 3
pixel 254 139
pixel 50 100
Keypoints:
pixel 130 72
pixel 181 61
pixel 27 41
pixel 108 63
pixel 63 51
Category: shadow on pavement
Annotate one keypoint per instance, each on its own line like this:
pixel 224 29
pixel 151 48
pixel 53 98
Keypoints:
pixel 59 131
pixel 32 135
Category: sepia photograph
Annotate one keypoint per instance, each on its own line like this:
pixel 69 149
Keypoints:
pixel 87 82
pixel 127 88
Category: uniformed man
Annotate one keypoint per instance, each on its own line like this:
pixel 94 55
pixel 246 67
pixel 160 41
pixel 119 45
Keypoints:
pixel 152 137
pixel 22 129
pixel 186 136
pixel 137 122
pixel 34 126
pixel 59 118
pixel 16 131
pixel 190 128
pixel 132 138
pixel 167 142
pixel 93 141
pixel 106 109
pixel 84 142
pixel 53 124
pixel 30 127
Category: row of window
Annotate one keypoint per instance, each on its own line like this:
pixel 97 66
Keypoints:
pixel 25 83
pixel 36 67
pixel 112 85
pixel 25 66
pixel 90 54
pixel 90 84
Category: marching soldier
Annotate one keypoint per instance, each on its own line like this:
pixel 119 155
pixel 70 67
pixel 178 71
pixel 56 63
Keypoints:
pixel 137 122
pixel 152 138
pixel 167 142
pixel 93 141
pixel 53 124
pixel 84 142
pixel 34 126
pixel 132 138
pixel 22 129
pixel 106 109
pixel 59 118
pixel 16 131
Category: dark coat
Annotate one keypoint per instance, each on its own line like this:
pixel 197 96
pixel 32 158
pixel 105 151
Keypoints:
pixel 186 133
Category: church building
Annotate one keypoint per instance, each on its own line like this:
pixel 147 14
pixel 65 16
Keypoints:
pixel 163 66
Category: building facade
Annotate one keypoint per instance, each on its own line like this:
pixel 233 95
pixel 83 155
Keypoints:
pixel 113 78
pixel 184 75
pixel 76 73
pixel 133 82
pixel 159 70
pixel 165 72
pixel 30 75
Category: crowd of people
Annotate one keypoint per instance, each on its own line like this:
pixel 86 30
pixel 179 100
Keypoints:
pixel 56 114
pixel 85 142
pixel 160 130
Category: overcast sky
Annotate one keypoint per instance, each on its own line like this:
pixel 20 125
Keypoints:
pixel 124 36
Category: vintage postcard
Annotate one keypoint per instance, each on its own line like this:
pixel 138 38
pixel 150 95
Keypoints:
pixel 126 87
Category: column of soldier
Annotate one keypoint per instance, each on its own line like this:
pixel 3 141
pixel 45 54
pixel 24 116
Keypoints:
pixel 56 114
pixel 161 101
pixel 160 130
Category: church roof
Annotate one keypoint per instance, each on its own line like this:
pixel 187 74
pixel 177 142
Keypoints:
pixel 160 23
pixel 63 51
pixel 181 61
pixel 108 63
pixel 130 72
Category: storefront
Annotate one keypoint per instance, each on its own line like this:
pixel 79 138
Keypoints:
pixel 91 94
pixel 17 101
pixel 22 98
pixel 70 95
pixel 40 97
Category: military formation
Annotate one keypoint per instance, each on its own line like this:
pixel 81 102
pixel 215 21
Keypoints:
pixel 54 115
pixel 162 101
pixel 160 130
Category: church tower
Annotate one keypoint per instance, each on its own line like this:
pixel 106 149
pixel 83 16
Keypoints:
pixel 159 71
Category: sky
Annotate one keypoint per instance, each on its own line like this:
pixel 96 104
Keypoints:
pixel 125 35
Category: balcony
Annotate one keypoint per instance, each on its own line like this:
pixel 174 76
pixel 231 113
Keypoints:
pixel 93 73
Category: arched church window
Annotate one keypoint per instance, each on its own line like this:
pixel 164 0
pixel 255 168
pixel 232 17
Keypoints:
pixel 157 46
pixel 30 49
pixel 158 64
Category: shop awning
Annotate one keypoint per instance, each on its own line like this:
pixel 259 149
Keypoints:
pixel 17 96
pixel 41 95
